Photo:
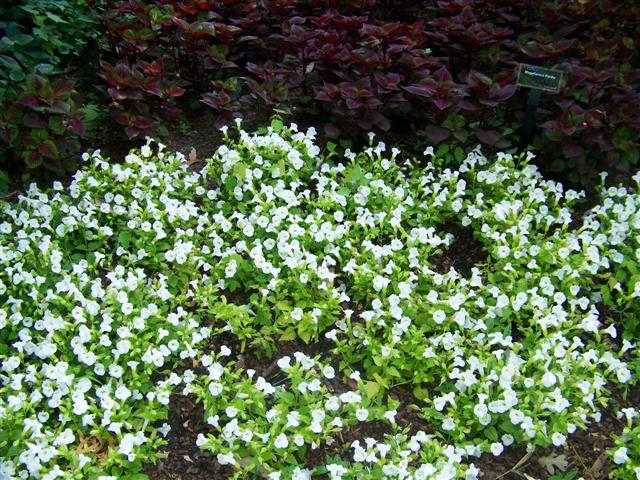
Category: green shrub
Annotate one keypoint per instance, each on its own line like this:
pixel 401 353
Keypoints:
pixel 41 36
pixel 42 127
pixel 42 42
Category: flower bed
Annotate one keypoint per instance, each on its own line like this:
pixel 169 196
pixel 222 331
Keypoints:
pixel 113 288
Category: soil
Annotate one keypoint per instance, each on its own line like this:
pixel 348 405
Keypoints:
pixel 463 254
pixel 184 459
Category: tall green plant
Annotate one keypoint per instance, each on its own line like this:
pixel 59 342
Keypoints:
pixel 41 41
pixel 41 36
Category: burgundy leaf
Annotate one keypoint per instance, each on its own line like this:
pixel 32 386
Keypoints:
pixel 571 149
pixel 123 94
pixel 173 92
pixel 443 75
pixel 77 127
pixel 380 121
pixel 353 104
pixel 437 134
pixel 441 102
pixel 506 92
pixel 28 101
pixel 489 137
pixel 48 149
pixel 61 88
pixel 469 106
pixel 131 132
pixel 33 120
pixel 421 89
pixel 59 107
pixel 331 130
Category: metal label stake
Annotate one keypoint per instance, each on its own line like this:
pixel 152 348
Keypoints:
pixel 538 79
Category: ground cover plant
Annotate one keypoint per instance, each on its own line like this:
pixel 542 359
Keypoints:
pixel 443 71
pixel 117 289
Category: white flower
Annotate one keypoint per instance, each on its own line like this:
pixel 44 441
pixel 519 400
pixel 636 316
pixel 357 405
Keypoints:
pixel 225 459
pixel 548 379
pixel 215 388
pixel 230 269
pixel 623 374
pixel 281 441
pixel 439 316
pixel 620 455
pixel 362 414
pixel 448 424
pixel 390 415
pixel 558 439
pixel 497 448
pixel 145 150
pixel 284 363
pixel 293 419
pixel 300 474
pixel 122 392
pixel 380 283
pixel 329 372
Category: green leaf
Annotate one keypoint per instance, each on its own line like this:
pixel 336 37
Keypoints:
pixel 442 150
pixel 17 75
pixel 55 18
pixel 9 62
pixel 4 182
pixel 124 238
pixel 240 170
pixel 284 306
pixel 44 68
pixel 458 154
pixel 383 383
pixel 6 44
pixel 288 335
pixel 393 371
pixel 277 125
pixel 491 433
pixel 421 393
pixel 372 389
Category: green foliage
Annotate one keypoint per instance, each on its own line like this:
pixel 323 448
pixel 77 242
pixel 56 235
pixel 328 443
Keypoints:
pixel 41 36
pixel 4 181
pixel 42 118
pixel 108 283
pixel 625 453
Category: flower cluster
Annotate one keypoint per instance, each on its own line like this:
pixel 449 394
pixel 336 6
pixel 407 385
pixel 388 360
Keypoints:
pixel 83 324
pixel 266 427
pixel 626 452
pixel 108 283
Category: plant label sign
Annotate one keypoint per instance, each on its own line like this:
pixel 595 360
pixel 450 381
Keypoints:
pixel 532 76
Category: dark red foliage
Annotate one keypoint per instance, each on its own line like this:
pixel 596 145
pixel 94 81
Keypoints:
pixel 454 74
pixel 360 68
pixel 595 116
pixel 43 125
